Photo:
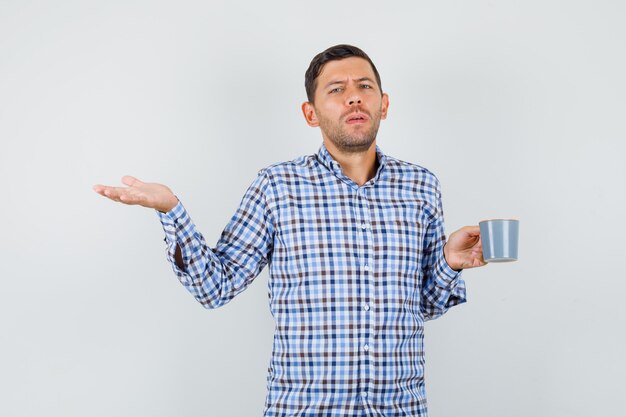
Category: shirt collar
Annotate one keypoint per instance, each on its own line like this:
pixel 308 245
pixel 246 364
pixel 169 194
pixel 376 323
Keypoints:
pixel 329 162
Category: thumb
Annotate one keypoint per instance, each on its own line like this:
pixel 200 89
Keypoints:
pixel 131 181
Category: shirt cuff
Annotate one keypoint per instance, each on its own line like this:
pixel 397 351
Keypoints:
pixel 173 219
pixel 446 277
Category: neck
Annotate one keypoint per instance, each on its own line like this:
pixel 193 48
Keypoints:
pixel 360 167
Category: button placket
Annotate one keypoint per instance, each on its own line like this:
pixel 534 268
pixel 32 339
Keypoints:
pixel 366 258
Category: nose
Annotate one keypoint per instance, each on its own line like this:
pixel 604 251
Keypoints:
pixel 353 97
pixel 354 100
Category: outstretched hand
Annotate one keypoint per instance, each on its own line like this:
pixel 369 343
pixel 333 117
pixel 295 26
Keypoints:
pixel 464 249
pixel 151 195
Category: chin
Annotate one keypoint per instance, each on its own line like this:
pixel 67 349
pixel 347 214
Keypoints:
pixel 354 146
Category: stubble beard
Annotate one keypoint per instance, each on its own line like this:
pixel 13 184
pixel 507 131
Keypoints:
pixel 356 142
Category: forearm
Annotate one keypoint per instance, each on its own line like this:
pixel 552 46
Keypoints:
pixel 442 284
pixel 196 265
pixel 442 288
pixel 215 275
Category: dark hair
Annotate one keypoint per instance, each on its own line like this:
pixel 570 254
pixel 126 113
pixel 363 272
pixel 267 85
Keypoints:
pixel 334 53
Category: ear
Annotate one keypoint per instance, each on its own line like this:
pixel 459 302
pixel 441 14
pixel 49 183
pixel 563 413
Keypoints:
pixel 308 110
pixel 384 106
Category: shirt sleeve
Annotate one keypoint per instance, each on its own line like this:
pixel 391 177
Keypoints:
pixel 442 286
pixel 215 275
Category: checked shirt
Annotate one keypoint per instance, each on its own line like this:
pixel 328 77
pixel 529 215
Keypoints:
pixel 354 272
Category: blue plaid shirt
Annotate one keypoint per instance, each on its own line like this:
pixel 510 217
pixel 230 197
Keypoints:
pixel 354 272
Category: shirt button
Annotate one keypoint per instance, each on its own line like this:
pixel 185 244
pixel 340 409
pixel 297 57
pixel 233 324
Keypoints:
pixel 366 307
pixel 364 226
pixel 366 268
pixel 364 394
pixel 366 348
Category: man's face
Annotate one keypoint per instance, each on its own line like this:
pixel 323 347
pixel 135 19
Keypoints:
pixel 348 104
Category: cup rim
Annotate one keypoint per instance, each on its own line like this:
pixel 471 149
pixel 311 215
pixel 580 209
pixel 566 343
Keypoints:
pixel 490 220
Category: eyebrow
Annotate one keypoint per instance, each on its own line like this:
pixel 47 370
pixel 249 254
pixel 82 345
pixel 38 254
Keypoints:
pixel 343 82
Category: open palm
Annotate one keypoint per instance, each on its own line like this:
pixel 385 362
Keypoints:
pixel 151 195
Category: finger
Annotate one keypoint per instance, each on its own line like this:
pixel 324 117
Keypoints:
pixel 123 195
pixel 105 190
pixel 113 192
pixel 131 181
pixel 476 253
pixel 132 199
pixel 474 263
pixel 108 194
pixel 471 230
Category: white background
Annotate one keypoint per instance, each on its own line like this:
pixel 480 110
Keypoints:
pixel 517 106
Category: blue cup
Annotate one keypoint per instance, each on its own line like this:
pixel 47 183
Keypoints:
pixel 499 239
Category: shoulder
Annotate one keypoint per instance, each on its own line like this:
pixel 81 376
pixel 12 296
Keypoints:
pixel 403 171
pixel 299 163
pixel 298 167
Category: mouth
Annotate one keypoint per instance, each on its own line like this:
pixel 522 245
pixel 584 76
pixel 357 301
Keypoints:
pixel 357 118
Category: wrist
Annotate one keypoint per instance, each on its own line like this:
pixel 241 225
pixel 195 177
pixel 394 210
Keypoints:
pixel 169 205
pixel 447 257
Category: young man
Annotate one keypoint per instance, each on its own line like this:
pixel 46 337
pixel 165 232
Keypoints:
pixel 357 255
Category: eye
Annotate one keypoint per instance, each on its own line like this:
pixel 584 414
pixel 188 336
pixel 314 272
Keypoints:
pixel 366 86
pixel 335 90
